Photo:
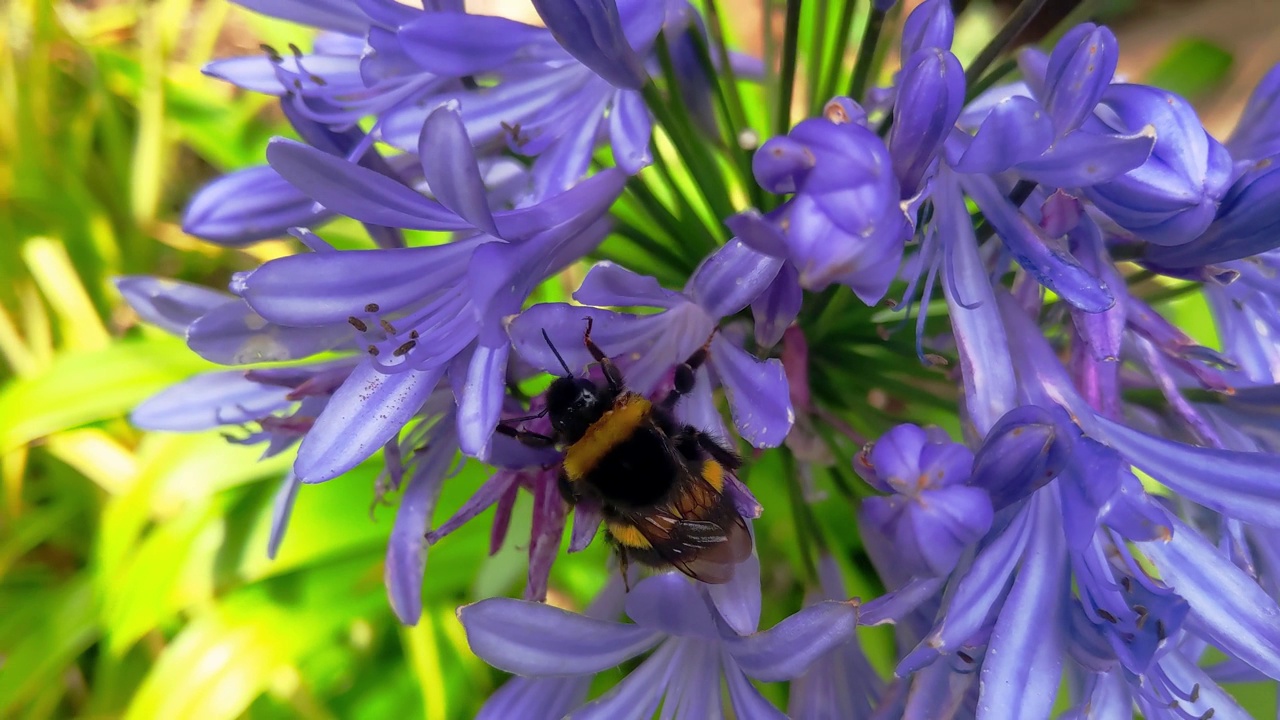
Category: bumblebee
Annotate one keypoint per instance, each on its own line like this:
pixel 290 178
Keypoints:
pixel 660 483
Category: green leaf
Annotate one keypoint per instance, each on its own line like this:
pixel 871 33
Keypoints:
pixel 51 628
pixel 81 388
pixel 1193 67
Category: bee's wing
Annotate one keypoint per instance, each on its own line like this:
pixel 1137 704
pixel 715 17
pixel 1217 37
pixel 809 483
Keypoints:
pixel 699 531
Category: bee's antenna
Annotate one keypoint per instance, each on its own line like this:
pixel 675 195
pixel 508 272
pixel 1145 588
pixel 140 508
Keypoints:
pixel 563 364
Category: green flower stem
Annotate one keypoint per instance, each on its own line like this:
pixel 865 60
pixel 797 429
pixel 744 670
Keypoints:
pixel 1017 22
pixel 729 101
pixel 660 213
pixel 709 234
pixel 818 40
pixel 802 516
pixel 787 77
pixel 646 242
pixel 835 61
pixel 866 55
pixel 1001 71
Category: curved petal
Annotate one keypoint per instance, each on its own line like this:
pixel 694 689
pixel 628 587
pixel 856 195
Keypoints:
pixel 481 403
pixel 340 16
pixel 1013 132
pixel 777 307
pixel 1080 69
pixel 757 393
pixel 586 524
pixel 638 695
pixel 357 192
pixel 327 288
pixel 608 284
pixel 616 333
pixel 747 700
pixel 669 603
pixel 592 31
pixel 738 601
pixel 248 205
pixel 281 510
pixel 207 401
pixel 786 650
pixel 553 697
pixel 567 213
pixel 758 232
pixel 629 130
pixel 731 278
pixel 1023 665
pixel 1082 158
pixel 368 410
pixel 1233 610
pixel 407 548
pixel 457 44
pixel 170 305
pixel 450 169
pixel 538 640
pixel 1242 485
pixel 233 334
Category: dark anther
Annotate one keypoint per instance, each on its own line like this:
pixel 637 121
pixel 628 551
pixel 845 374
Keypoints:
pixel 1173 705
pixel 1195 693
pixel 318 80
pixel 413 334
pixel 1207 714
pixel 1142 614
pixel 357 323
pixel 272 54
pixel 1127 582
pixel 405 348
pixel 294 49
pixel 1107 616
pixel 1161 632
pixel 371 307
pixel 373 350
pixel 964 656
pixel 297 84
pixel 388 327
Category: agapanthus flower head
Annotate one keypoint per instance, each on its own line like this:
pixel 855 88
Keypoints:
pixel 933 514
pixel 844 223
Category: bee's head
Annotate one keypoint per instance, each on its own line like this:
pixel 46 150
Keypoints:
pixel 573 404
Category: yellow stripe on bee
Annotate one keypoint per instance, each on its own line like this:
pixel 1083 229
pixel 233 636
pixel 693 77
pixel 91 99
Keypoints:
pixel 713 473
pixel 612 428
pixel 627 535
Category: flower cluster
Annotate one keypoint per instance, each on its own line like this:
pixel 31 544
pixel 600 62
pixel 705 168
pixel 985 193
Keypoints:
pixel 1104 510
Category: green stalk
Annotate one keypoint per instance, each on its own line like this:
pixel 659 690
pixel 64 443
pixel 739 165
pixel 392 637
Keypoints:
pixel 866 53
pixel 1000 72
pixel 835 62
pixel 790 38
pixel 1017 22
pixel 817 55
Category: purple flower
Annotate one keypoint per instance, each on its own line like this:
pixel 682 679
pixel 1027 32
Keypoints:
pixel 696 646
pixel 933 514
pixel 420 311
pixel 930 96
pixel 844 223
pixel 1257 134
pixel 932 24
pixel 648 347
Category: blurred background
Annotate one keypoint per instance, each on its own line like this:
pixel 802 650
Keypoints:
pixel 134 580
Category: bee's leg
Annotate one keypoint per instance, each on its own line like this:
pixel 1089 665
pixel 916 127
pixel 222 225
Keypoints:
pixel 687 374
pixel 611 372
pixel 526 437
pixel 692 440
pixel 624 565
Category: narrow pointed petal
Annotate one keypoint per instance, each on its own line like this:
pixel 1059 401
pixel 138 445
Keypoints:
pixel 738 601
pixel 777 307
pixel 731 278
pixel 1023 664
pixel 592 31
pixel 281 510
pixel 169 304
pixel 407 549
pixel 930 25
pixel 610 284
pixel 567 213
pixel 893 606
pixel 357 192
pixel 638 695
pixel 1184 673
pixel 746 699
pixel 537 640
pixel 450 169
pixel 586 524
pixel 1015 131
pixel 553 697
pixel 233 334
pixel 1238 484
pixel 249 205
pixel 1080 68
pixel 1234 611
pixel 786 650
pixel 207 401
pixel 368 410
pixel 457 44
pixel 757 392
pixel 327 288
pixel 987 371
pixel 481 403
pixel 1045 258
pixel 630 128
pixel 1257 134
pixel 494 490
pixel 758 232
